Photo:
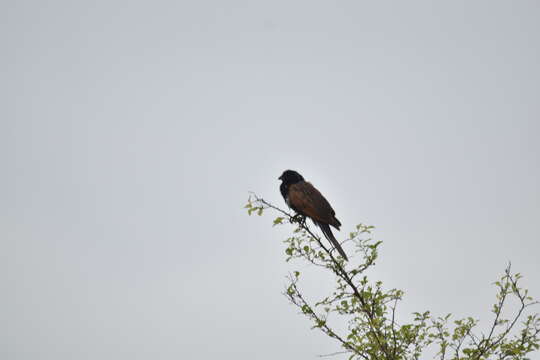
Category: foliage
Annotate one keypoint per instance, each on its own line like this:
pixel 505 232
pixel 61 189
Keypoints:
pixel 373 332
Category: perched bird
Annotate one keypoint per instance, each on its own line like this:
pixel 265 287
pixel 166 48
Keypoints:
pixel 305 200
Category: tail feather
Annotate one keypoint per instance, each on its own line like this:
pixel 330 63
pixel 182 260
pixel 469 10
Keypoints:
pixel 328 234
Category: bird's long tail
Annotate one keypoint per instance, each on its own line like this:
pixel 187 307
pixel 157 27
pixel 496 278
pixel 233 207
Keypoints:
pixel 328 234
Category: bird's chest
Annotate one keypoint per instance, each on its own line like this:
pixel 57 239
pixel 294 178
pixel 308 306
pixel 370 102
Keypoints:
pixel 287 201
pixel 284 189
pixel 285 193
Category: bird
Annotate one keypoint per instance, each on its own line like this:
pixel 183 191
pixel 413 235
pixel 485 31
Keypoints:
pixel 307 201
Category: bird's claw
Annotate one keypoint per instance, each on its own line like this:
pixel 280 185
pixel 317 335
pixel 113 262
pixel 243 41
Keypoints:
pixel 299 219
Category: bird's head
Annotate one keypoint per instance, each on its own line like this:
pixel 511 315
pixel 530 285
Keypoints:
pixel 291 177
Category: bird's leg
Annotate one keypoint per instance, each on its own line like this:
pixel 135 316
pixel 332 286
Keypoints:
pixel 301 219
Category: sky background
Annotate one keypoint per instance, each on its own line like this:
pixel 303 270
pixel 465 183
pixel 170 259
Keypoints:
pixel 131 133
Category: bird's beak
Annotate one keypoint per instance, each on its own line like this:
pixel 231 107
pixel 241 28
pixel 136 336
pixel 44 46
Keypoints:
pixel 279 178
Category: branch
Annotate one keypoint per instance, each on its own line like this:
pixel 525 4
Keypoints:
pixel 339 270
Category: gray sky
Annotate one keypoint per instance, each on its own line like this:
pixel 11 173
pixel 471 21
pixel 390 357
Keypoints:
pixel 132 131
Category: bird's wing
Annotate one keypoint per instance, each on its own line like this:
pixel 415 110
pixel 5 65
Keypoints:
pixel 305 199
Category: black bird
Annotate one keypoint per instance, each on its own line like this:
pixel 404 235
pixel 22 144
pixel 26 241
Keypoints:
pixel 303 198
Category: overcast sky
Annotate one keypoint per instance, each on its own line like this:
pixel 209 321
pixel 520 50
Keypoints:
pixel 131 133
